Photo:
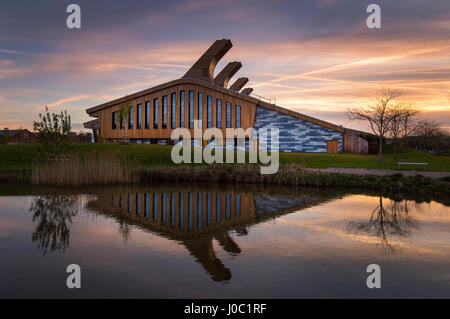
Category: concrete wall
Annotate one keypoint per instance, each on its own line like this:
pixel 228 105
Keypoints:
pixel 295 135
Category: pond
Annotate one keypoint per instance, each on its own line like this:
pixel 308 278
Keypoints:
pixel 203 241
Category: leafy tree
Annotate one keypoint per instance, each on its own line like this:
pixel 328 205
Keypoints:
pixel 122 115
pixel 53 131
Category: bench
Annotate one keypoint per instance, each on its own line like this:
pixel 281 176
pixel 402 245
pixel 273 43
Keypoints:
pixel 406 163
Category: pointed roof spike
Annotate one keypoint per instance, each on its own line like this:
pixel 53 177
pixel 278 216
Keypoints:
pixel 227 73
pixel 247 91
pixel 239 84
pixel 204 68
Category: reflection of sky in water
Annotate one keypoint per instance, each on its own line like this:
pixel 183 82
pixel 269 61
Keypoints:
pixel 312 244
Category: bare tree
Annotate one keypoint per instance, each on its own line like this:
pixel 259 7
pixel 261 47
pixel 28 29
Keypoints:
pixel 409 124
pixel 430 136
pixel 378 115
pixel 401 123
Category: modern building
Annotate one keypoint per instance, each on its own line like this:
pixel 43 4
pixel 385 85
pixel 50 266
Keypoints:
pixel 151 115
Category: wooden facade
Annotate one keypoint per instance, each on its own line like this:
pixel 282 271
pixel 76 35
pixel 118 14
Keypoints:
pixel 104 112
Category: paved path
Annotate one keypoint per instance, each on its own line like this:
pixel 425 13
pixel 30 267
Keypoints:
pixel 381 172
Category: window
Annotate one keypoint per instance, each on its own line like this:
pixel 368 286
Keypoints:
pixel 228 114
pixel 147 115
pixel 130 118
pixel 122 124
pixel 238 205
pixel 174 107
pixel 138 116
pixel 191 109
pixel 238 116
pixel 114 120
pixel 182 109
pixel 164 112
pixel 155 113
pixel 200 110
pixel 209 111
pixel 219 113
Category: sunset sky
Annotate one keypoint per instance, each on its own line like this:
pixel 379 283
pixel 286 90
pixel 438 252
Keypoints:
pixel 315 57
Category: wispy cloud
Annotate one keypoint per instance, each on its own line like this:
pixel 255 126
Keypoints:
pixel 61 102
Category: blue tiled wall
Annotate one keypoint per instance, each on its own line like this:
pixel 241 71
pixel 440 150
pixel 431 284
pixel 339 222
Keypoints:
pixel 295 135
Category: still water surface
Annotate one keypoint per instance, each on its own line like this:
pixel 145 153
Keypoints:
pixel 183 241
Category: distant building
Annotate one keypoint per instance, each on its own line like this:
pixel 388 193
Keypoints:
pixel 22 136
pixel 154 113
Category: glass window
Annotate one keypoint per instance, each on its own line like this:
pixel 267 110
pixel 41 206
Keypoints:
pixel 228 114
pixel 191 109
pixel 122 124
pixel 138 116
pixel 182 109
pixel 114 120
pixel 147 115
pixel 238 205
pixel 200 110
pixel 130 118
pixel 164 112
pixel 209 111
pixel 219 113
pixel 155 113
pixel 174 110
pixel 238 116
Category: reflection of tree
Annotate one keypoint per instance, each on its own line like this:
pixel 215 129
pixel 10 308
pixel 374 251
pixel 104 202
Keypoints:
pixel 53 215
pixel 124 228
pixel 386 222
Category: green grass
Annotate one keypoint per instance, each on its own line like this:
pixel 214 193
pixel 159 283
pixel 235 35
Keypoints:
pixel 20 157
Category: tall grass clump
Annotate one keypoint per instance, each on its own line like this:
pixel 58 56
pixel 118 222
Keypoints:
pixel 288 174
pixel 84 169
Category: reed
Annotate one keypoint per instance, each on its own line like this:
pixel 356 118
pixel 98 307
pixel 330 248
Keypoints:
pixel 288 174
pixel 84 169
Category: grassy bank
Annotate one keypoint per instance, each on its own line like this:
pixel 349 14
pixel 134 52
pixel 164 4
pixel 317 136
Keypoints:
pixel 14 158
pixel 104 164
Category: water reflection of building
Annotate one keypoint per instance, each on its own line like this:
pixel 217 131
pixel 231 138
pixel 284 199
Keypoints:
pixel 195 218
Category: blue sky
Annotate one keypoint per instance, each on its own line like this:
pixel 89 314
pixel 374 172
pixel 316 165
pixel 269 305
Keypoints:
pixel 316 57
